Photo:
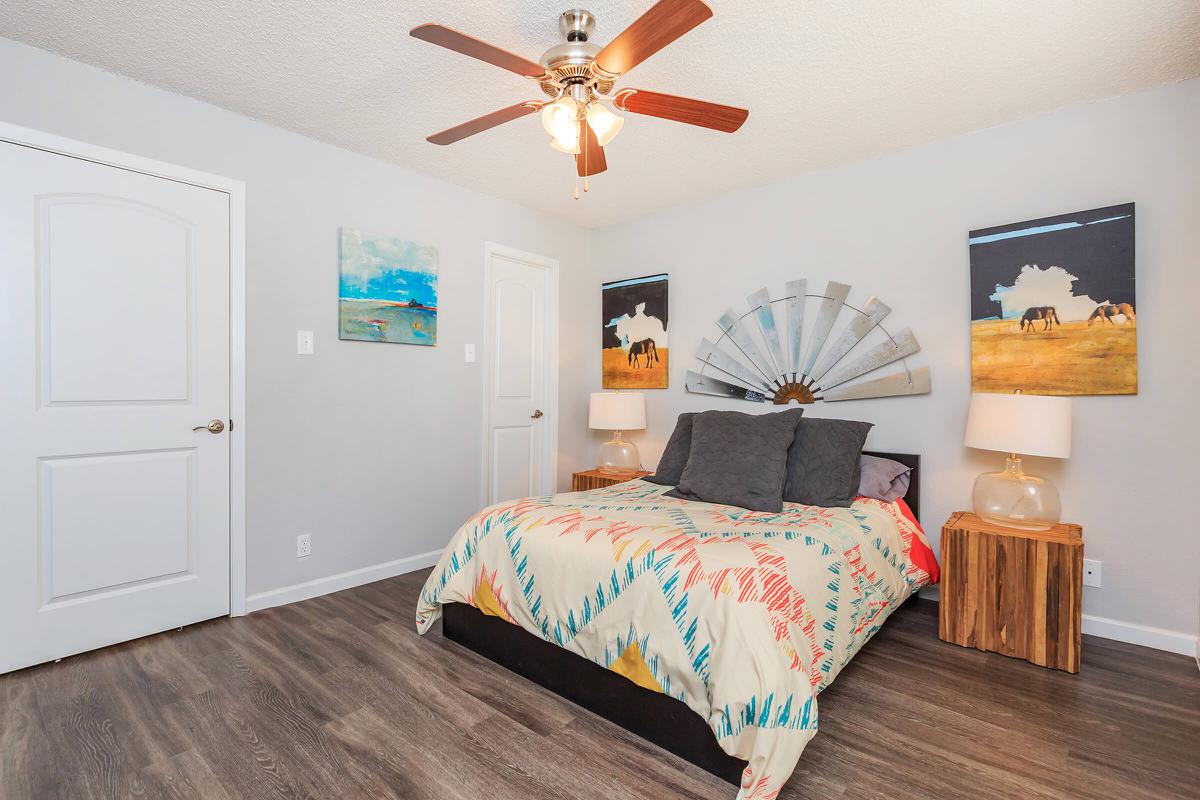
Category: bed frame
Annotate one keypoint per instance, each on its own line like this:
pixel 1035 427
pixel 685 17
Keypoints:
pixel 656 717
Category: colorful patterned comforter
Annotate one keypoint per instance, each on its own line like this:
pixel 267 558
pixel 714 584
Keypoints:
pixel 745 616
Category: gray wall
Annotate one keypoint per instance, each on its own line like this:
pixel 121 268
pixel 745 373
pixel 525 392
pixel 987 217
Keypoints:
pixel 371 448
pixel 896 226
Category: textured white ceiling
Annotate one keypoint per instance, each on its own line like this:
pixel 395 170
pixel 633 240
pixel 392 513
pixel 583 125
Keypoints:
pixel 826 81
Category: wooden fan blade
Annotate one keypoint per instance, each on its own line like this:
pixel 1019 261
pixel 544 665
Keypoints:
pixel 681 109
pixel 590 159
pixel 480 124
pixel 665 22
pixel 470 46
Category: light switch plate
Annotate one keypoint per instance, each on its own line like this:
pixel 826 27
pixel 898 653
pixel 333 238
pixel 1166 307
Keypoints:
pixel 304 343
pixel 469 353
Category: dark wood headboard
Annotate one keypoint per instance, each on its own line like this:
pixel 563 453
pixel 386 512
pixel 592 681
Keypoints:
pixel 913 496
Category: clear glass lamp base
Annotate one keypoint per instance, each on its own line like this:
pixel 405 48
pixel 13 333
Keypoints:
pixel 1016 500
pixel 618 455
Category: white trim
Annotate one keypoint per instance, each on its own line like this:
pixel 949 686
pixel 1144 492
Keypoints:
pixel 237 400
pixel 236 190
pixel 550 436
pixel 1146 636
pixel 341 581
pixel 1118 631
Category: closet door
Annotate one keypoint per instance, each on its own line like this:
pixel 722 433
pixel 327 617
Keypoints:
pixel 522 373
pixel 114 347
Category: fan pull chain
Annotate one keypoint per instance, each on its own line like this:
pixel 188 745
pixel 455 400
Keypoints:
pixel 577 188
pixel 587 152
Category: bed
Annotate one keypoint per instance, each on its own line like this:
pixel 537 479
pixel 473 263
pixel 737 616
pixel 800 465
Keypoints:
pixel 707 629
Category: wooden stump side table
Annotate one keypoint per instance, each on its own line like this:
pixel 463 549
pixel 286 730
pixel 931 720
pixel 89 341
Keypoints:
pixel 1013 592
pixel 595 479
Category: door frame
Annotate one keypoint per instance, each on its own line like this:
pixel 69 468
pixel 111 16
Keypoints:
pixel 492 250
pixel 236 191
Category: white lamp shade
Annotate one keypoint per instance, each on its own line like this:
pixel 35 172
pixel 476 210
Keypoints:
pixel 1025 424
pixel 617 411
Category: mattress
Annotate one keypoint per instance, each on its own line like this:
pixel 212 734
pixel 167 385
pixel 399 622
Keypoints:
pixel 744 616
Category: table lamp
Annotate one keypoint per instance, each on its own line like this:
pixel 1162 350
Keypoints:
pixel 1034 425
pixel 617 411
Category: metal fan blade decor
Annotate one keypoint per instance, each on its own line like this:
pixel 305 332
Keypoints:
pixel 750 360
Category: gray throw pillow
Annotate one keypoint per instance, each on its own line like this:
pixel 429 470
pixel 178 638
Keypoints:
pixel 883 479
pixel 739 459
pixel 822 464
pixel 675 456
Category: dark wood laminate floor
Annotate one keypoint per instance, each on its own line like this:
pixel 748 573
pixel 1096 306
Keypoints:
pixel 338 697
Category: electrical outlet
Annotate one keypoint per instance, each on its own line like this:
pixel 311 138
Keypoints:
pixel 304 545
pixel 469 353
pixel 1091 572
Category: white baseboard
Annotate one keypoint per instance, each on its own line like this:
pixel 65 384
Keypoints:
pixel 1146 636
pixel 343 580
pixel 1128 632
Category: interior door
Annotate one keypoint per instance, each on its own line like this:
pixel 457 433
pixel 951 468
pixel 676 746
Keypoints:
pixel 114 345
pixel 518 419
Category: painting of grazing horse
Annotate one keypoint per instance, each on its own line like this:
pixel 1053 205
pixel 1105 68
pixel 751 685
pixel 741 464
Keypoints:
pixel 1106 311
pixel 645 347
pixel 1045 313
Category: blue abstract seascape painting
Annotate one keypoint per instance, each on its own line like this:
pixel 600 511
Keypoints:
pixel 387 289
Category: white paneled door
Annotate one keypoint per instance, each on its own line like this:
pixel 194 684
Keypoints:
pixel 522 402
pixel 114 345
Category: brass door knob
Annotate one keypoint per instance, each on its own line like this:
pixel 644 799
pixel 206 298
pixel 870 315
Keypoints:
pixel 537 414
pixel 216 426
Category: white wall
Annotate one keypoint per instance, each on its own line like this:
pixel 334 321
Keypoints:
pixel 896 226
pixel 371 448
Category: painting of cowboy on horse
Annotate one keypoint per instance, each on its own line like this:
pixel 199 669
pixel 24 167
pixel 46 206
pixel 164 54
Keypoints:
pixel 1052 305
pixel 634 354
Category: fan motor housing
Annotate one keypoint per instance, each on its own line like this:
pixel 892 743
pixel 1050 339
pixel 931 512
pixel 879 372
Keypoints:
pixel 577 24
pixel 568 62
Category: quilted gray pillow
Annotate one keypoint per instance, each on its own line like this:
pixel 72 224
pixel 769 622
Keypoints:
pixel 738 459
pixel 675 456
pixel 822 464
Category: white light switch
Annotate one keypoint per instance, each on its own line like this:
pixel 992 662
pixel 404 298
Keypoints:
pixel 304 343
pixel 469 353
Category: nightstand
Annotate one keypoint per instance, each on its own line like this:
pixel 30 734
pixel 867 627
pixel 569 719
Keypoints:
pixel 595 479
pixel 1012 592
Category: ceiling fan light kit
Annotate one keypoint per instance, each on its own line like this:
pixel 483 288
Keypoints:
pixel 561 121
pixel 605 124
pixel 578 75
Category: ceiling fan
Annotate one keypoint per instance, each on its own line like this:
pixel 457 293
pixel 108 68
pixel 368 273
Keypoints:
pixel 578 76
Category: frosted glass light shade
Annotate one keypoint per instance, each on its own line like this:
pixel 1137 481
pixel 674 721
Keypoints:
pixel 563 146
pixel 617 411
pixel 604 123
pixel 560 118
pixel 1028 424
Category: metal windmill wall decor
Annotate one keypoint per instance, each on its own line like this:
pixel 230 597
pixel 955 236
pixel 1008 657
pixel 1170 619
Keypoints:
pixel 736 366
